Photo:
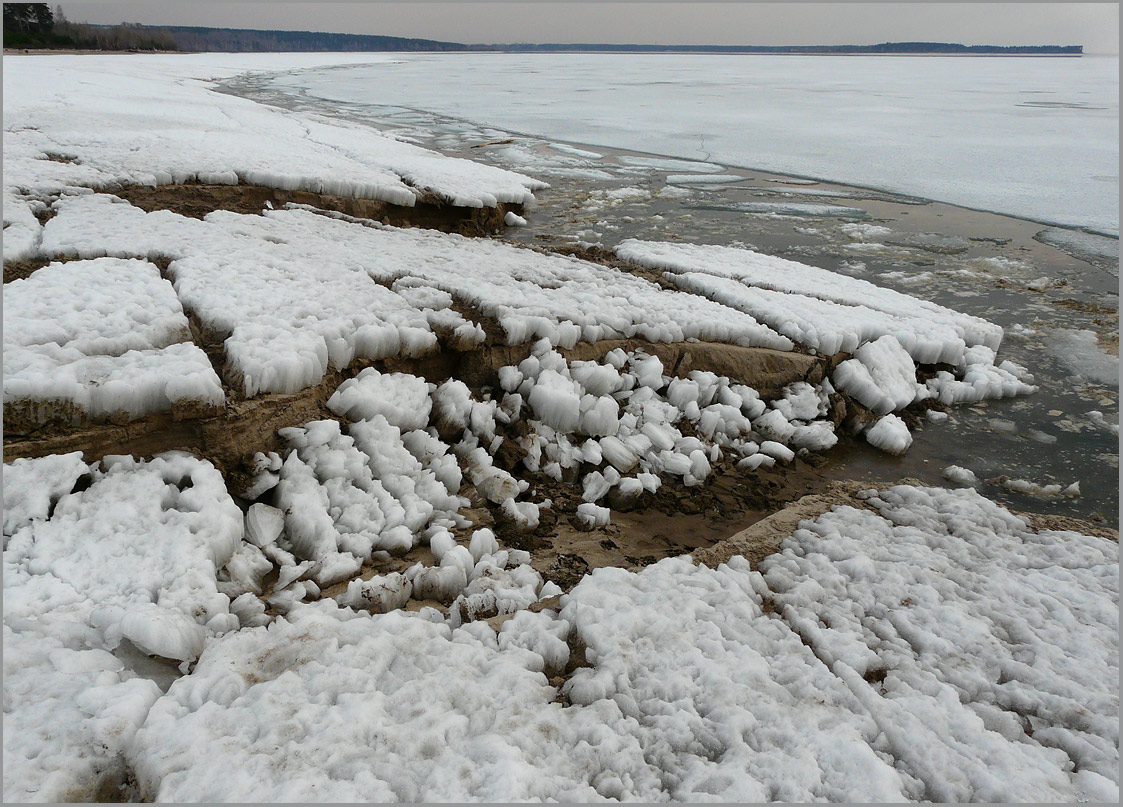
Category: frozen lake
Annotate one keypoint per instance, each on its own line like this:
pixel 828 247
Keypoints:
pixel 1030 137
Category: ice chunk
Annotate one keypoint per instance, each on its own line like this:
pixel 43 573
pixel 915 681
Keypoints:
pixel 401 398
pixel 590 515
pixel 961 476
pixel 264 524
pixel 378 595
pixel 890 434
pixel 881 377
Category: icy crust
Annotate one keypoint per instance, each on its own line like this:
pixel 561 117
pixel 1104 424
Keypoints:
pixel 938 334
pixel 989 652
pixel 297 292
pixel 823 325
pixel 133 556
pixel 90 113
pixel 69 716
pixel 331 706
pixel 32 487
pixel 98 338
pixel 725 701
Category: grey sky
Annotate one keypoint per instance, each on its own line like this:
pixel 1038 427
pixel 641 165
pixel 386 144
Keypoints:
pixel 1094 25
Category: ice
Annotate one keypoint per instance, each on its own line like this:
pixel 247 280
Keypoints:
pixel 797 209
pixel 981 379
pixel 1029 488
pixel 401 398
pixel 753 716
pixel 960 476
pixel 93 565
pixel 993 647
pixel 69 716
pixel 590 515
pixel 881 377
pixel 890 434
pixel 739 278
pixel 33 487
pixel 346 496
pixel 1080 352
pixel 294 293
pixel 576 152
pixel 482 543
pixel 378 595
pixel 556 401
pixel 665 164
pixel 264 524
pixel 961 145
pixel 90 339
pixel 703 179
pixel 157 124
pixel 777 451
pixel 327 705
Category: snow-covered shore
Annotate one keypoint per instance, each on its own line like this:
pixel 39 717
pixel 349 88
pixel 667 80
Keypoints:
pixel 196 641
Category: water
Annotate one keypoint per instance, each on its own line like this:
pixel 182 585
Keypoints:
pixel 1031 137
pixel 976 262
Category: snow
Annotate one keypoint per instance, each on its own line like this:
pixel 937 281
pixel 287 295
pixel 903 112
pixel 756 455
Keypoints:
pixel 401 398
pixel 998 644
pixel 294 293
pixel 938 333
pixel 152 121
pixel 90 339
pixel 890 434
pixel 966 131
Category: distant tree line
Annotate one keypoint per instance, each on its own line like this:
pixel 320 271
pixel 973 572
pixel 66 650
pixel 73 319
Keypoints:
pixel 34 25
pixel 194 38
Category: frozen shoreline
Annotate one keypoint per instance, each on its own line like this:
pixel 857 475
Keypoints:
pixel 382 572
